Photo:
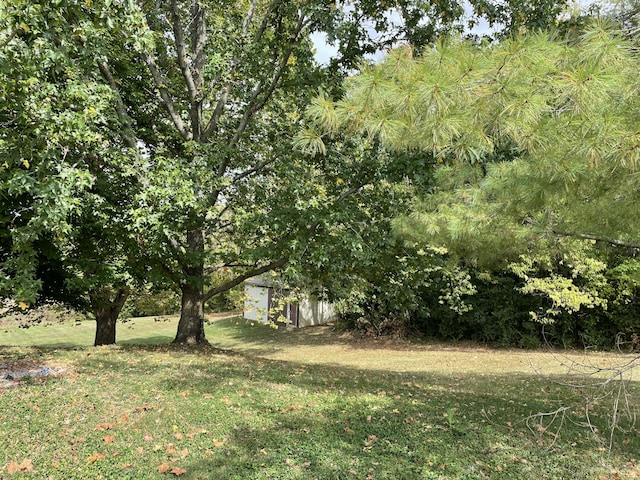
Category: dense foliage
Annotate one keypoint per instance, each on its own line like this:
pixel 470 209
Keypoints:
pixel 538 145
pixel 160 132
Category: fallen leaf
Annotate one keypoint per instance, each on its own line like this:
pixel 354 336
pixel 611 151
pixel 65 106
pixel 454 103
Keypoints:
pixel 95 457
pixel 370 441
pixel 13 467
pixel 140 450
pixel 178 436
pixel 177 471
pixel 217 443
pixel 148 438
pixel 109 439
pixel 164 468
pixel 127 465
pixel 184 453
pixel 104 426
pixel 171 449
pixel 291 408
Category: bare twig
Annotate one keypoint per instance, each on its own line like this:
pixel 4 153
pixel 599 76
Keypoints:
pixel 596 384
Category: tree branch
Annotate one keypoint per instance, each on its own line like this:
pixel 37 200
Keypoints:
pixel 224 96
pixel 7 40
pixel 256 103
pixel 610 241
pixel 181 49
pixel 121 111
pixel 192 77
pixel 212 269
pixel 161 85
pixel 253 170
pixel 241 278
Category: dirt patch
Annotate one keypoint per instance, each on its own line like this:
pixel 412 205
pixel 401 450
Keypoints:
pixel 12 373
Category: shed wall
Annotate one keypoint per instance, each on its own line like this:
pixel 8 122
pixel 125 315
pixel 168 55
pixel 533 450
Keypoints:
pixel 315 312
pixel 256 303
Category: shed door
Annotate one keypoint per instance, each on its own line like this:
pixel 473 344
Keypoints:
pixel 276 309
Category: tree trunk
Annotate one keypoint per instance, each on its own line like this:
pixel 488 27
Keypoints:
pixel 106 312
pixel 191 325
pixel 105 326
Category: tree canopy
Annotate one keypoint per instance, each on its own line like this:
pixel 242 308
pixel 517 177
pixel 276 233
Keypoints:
pixel 538 144
pixel 170 124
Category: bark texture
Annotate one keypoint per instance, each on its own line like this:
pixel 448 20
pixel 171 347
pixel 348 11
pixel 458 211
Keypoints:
pixel 107 311
pixel 191 325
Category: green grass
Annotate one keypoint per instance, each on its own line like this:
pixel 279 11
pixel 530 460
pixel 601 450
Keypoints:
pixel 281 404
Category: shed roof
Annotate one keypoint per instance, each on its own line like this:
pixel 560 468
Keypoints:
pixel 259 281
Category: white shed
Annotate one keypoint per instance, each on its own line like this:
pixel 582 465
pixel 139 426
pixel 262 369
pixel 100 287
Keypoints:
pixel 261 305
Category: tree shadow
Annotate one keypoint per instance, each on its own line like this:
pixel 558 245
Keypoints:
pixel 327 421
pixel 282 419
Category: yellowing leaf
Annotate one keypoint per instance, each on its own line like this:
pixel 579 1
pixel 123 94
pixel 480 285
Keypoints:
pixel 25 163
pixel 22 305
pixel 24 26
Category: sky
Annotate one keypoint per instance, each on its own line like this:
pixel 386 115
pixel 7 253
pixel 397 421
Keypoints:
pixel 324 51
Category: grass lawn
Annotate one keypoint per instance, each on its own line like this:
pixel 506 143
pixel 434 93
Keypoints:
pixel 294 404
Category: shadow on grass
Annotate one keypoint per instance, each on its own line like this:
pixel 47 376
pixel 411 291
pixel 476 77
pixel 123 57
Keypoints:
pixel 252 333
pixel 153 341
pixel 281 419
pixel 284 420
